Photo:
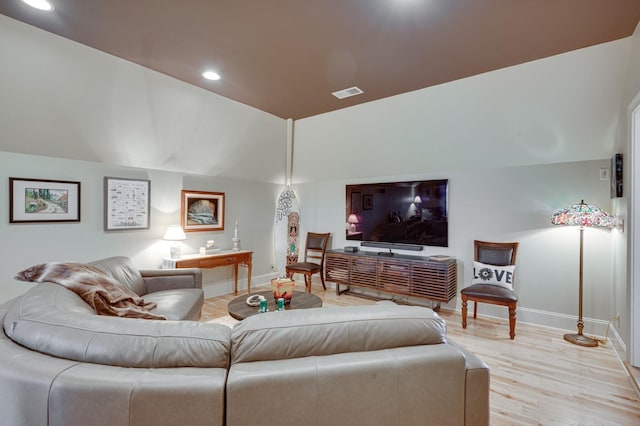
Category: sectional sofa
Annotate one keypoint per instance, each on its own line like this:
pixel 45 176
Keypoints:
pixel 61 364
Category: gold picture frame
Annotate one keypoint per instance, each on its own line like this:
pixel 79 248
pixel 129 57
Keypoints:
pixel 202 211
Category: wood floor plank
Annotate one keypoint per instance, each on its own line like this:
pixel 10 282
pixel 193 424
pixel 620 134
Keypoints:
pixel 536 379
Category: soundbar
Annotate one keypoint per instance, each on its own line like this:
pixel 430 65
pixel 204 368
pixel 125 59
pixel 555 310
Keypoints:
pixel 397 246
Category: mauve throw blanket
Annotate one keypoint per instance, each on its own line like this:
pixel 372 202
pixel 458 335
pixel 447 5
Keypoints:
pixel 104 294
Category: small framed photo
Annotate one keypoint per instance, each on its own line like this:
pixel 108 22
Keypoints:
pixel 126 203
pixel 202 211
pixel 367 202
pixel 41 200
pixel 356 202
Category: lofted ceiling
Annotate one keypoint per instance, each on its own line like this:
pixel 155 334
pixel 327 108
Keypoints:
pixel 285 57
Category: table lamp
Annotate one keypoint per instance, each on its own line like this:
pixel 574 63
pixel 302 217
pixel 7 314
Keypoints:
pixel 174 233
pixel 352 221
pixel 582 215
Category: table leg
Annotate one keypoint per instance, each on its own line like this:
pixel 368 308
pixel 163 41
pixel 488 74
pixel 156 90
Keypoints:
pixel 249 277
pixel 235 277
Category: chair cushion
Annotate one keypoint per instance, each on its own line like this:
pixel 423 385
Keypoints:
pixel 490 291
pixel 304 267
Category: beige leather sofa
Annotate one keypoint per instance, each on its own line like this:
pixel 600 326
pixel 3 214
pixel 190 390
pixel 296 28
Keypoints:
pixel 60 364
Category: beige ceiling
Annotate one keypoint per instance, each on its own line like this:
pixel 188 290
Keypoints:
pixel 285 57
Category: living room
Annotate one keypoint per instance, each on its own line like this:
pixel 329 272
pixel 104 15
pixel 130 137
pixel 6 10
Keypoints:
pixel 516 144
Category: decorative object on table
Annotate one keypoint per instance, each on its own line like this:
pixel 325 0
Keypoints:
pixel 616 176
pixel 280 302
pixel 235 239
pixel 126 203
pixel 174 233
pixel 209 248
pixel 440 258
pixel 492 281
pixel 39 200
pixel 287 207
pixel 202 211
pixel 582 215
pixel 283 288
pixel 263 305
pixel 255 299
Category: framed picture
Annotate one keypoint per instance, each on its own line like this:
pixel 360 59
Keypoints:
pixel 126 203
pixel 40 200
pixel 202 211
pixel 367 202
pixel 356 202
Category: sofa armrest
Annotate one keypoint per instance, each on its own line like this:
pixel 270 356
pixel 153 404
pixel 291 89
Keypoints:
pixel 168 279
pixel 477 404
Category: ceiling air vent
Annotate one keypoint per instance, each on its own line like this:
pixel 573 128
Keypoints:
pixel 351 91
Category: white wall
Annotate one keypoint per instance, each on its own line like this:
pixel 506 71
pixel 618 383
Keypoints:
pixel 558 109
pixel 23 245
pixel 63 99
pixel 509 204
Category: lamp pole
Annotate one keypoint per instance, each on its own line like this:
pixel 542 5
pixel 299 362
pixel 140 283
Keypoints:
pixel 581 339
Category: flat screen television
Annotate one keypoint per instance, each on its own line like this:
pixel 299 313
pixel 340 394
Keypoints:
pixel 398 214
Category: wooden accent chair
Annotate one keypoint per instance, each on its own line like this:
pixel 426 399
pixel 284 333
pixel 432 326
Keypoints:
pixel 500 254
pixel 313 262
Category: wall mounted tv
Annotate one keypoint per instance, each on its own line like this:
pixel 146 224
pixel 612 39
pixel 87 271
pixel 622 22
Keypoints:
pixel 403 215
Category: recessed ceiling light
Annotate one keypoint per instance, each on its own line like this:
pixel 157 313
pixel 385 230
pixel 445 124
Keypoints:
pixel 211 75
pixel 346 93
pixel 40 4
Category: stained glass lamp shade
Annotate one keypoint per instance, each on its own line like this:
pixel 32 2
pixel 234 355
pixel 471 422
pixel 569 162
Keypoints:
pixel 590 216
pixel 583 215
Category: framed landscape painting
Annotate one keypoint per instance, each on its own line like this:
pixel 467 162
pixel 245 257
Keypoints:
pixel 41 200
pixel 202 211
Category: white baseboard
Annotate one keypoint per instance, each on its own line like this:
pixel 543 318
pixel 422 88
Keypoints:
pixel 595 327
pixel 221 287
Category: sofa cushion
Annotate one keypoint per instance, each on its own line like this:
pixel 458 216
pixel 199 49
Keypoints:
pixel 178 303
pixel 102 292
pixel 325 331
pixel 50 319
pixel 122 270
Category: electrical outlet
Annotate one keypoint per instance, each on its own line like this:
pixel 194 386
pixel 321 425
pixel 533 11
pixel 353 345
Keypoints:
pixel 604 174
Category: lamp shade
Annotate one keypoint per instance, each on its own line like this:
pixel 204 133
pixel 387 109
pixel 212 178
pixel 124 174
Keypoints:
pixel 352 218
pixel 583 215
pixel 417 200
pixel 174 233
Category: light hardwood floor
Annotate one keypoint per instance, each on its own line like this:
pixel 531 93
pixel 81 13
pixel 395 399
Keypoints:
pixel 536 379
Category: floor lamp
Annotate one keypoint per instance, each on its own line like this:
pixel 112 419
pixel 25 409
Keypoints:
pixel 582 215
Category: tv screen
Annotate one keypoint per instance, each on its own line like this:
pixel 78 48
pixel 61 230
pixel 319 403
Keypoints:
pixel 413 213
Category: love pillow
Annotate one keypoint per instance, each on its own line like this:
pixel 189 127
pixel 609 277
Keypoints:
pixel 493 274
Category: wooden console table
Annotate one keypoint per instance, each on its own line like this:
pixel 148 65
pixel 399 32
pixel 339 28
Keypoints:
pixel 417 276
pixel 224 258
